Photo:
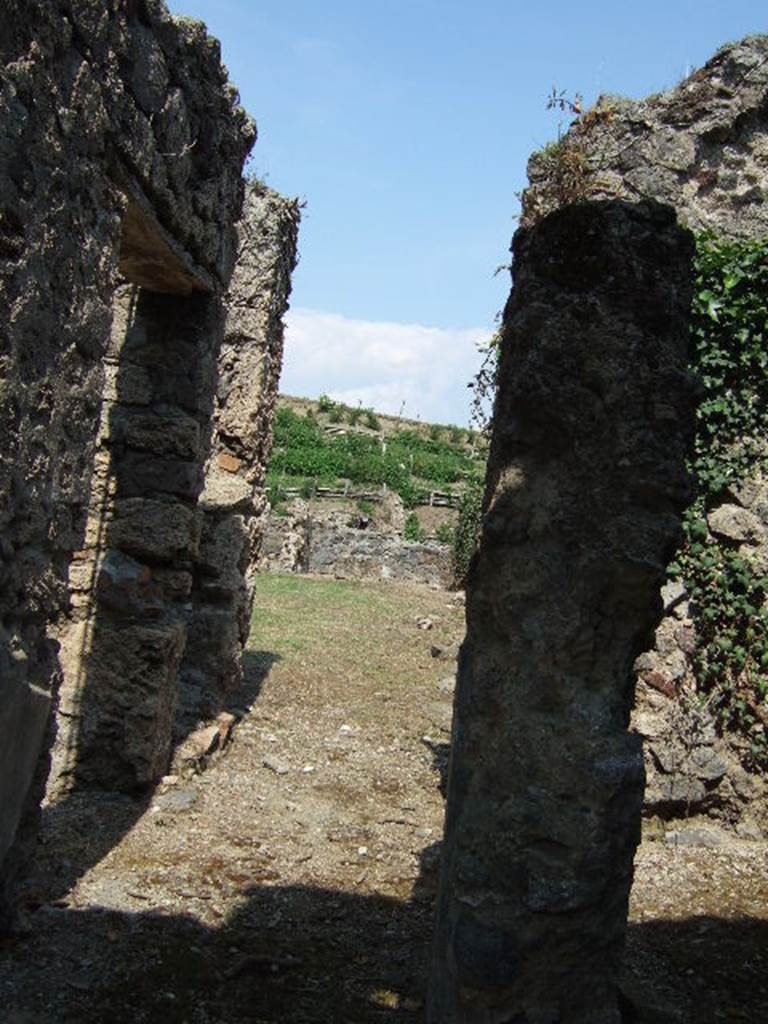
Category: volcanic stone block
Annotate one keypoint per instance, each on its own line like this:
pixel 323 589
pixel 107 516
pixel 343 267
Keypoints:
pixel 233 502
pixel 585 485
pixel 124 726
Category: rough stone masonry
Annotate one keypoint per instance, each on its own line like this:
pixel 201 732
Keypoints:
pixel 121 155
pixel 701 147
pixel 106 739
pixel 585 485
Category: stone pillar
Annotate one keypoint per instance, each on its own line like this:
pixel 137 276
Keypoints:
pixel 584 489
pixel 233 502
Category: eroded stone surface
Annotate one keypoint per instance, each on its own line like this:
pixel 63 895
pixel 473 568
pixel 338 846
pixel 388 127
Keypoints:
pixel 233 501
pixel 305 540
pixel 105 108
pixel 584 489
pixel 703 148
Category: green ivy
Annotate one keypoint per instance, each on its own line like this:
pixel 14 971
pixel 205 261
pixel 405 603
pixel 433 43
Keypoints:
pixel 729 328
pixel 466 533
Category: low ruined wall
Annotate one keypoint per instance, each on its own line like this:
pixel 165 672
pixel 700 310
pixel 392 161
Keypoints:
pixel 300 542
pixel 357 554
pixel 702 147
pixel 585 483
pixel 122 147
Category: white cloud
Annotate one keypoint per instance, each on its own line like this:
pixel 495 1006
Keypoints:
pixel 382 365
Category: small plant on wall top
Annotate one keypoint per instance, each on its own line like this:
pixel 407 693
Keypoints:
pixel 444 533
pixel 412 530
pixel 730 354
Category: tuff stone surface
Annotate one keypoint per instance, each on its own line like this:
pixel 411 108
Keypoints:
pixel 585 484
pixel 233 500
pixel 702 147
pixel 306 541
pixel 121 151
pixel 123 639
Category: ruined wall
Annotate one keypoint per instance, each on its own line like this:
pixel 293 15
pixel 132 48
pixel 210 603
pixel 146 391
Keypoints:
pixel 702 147
pixel 121 150
pixel 325 543
pixel 585 484
pixel 233 502
pixel 124 635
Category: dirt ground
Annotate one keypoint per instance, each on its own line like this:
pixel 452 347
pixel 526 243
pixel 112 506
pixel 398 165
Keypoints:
pixel 293 882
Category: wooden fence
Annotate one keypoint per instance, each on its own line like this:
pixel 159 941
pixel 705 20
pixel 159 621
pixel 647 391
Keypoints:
pixel 432 499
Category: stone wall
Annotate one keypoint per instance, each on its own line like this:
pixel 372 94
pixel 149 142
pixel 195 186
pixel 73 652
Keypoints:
pixel 585 483
pixel 233 501
pixel 125 633
pixel 702 147
pixel 326 544
pixel 121 148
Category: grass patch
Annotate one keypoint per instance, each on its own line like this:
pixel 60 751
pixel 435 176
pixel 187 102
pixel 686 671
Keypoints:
pixel 294 614
pixel 338 642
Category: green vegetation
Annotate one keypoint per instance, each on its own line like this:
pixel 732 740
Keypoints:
pixel 730 335
pixel 445 533
pixel 319 602
pixel 413 530
pixel 408 461
pixel 466 533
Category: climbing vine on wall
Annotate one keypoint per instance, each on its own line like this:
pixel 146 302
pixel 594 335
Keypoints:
pixel 730 354
pixel 466 534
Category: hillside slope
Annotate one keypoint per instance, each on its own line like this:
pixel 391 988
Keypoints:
pixel 326 444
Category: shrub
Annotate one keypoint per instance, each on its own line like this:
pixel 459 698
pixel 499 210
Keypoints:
pixel 412 530
pixel 353 415
pixel 324 403
pixel 372 420
pixel 445 533
pixel 410 464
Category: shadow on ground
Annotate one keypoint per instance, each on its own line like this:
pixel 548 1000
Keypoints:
pixel 84 826
pixel 300 955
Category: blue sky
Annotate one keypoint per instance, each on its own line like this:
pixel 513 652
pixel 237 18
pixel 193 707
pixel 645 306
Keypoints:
pixel 406 126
